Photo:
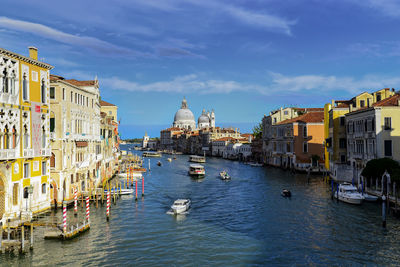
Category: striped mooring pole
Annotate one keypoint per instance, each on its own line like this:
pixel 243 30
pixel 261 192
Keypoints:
pixel 87 210
pixel 64 216
pixel 108 205
pixel 136 190
pixel 142 186
pixel 76 201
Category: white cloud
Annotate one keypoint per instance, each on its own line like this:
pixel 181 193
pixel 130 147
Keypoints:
pixel 66 38
pixel 387 7
pixel 279 85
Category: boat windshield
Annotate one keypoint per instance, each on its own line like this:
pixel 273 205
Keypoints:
pixel 351 191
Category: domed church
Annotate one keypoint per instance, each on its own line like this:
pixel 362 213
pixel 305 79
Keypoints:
pixel 184 118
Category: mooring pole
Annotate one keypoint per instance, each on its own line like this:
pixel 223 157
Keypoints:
pixel 383 211
pixel 31 244
pixel 22 237
pixel 142 186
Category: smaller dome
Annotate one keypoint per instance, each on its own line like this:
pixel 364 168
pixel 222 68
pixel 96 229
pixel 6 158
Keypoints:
pixel 203 119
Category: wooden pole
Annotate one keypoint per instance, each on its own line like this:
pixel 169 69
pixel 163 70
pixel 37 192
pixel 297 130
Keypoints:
pixel 136 190
pixel 1 235
pixel 383 211
pixel 22 237
pixel 31 244
pixel 142 186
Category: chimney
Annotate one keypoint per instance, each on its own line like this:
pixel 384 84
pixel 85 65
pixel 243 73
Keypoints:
pixel 33 52
pixel 333 103
pixel 351 108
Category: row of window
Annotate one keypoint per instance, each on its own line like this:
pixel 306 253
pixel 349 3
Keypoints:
pixel 16 192
pixel 27 170
pixel 74 97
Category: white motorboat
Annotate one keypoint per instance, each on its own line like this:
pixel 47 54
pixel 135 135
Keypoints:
pixel 370 198
pixel 197 170
pixel 180 205
pixel 255 164
pixel 224 175
pixel 169 159
pixel 121 192
pixel 348 193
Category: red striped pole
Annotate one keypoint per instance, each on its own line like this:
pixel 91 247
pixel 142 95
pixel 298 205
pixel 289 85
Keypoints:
pixel 108 204
pixel 64 216
pixel 87 210
pixel 142 186
pixel 76 201
pixel 136 188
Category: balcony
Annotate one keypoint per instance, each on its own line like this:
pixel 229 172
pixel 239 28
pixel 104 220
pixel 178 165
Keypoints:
pixel 82 164
pixel 52 136
pixel 46 152
pixel 6 154
pixel 28 153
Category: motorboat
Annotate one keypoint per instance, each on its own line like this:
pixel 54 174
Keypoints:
pixel 224 175
pixel 159 163
pixel 174 158
pixel 286 193
pixel 169 159
pixel 255 164
pixel 198 159
pixel 370 198
pixel 348 193
pixel 121 191
pixel 180 205
pixel 197 170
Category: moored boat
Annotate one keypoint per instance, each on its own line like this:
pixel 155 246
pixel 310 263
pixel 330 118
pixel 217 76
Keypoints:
pixel 180 205
pixel 370 198
pixel 255 164
pixel 348 193
pixel 197 170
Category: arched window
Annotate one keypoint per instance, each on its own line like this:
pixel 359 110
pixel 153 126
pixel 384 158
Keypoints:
pixel 43 137
pixel 52 121
pixel 12 83
pixel 24 87
pixel 14 137
pixel 43 91
pixel 5 81
pixel 43 188
pixel 6 138
pixel 26 137
pixel 53 160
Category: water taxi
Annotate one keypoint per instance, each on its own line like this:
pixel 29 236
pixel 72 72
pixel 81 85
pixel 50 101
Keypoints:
pixel 198 159
pixel 150 154
pixel 348 193
pixel 197 170
pixel 180 205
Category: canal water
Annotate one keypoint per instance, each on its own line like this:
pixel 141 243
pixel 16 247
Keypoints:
pixel 241 222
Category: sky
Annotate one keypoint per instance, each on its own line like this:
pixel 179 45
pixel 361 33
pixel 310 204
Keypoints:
pixel 240 58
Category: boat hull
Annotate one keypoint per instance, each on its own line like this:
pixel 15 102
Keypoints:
pixel 354 201
pixel 197 175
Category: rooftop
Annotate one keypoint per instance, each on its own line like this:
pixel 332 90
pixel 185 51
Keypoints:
pixel 312 117
pixel 104 103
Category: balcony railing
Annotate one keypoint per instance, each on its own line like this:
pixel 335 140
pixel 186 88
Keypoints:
pixel 46 152
pixel 7 154
pixel 28 153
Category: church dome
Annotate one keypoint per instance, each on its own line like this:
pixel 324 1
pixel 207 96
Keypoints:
pixel 203 118
pixel 184 114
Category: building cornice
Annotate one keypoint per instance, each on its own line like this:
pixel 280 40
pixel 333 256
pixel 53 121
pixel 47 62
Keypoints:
pixel 26 59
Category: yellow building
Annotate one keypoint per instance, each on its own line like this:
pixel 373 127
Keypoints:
pixel 24 135
pixel 336 158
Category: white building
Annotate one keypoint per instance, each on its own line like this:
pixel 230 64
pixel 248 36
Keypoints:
pixel 145 140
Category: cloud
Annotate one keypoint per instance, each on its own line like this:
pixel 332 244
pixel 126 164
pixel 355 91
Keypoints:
pixel 279 84
pixel 43 31
pixel 387 7
pixel 378 49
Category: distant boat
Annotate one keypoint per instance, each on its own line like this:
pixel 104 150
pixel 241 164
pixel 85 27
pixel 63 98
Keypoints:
pixel 198 159
pixel 159 163
pixel 224 175
pixel 169 159
pixel 286 193
pixel 255 164
pixel 151 154
pixel 197 170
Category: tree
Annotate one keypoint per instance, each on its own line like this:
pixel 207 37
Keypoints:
pixel 257 130
pixel 376 167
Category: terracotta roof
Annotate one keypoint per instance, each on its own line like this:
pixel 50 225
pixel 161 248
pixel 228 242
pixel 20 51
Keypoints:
pixel 311 117
pixel 172 129
pixel 390 101
pixel 309 109
pixel 247 135
pixel 54 78
pixel 81 83
pixel 104 103
pixel 225 139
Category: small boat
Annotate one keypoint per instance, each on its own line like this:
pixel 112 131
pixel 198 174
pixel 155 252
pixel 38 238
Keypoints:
pixel 174 157
pixel 151 154
pixel 169 159
pixel 197 170
pixel 255 164
pixel 286 193
pixel 198 159
pixel 348 193
pixel 159 163
pixel 224 175
pixel 370 198
pixel 180 205
pixel 122 192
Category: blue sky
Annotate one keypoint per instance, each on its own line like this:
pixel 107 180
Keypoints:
pixel 242 58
